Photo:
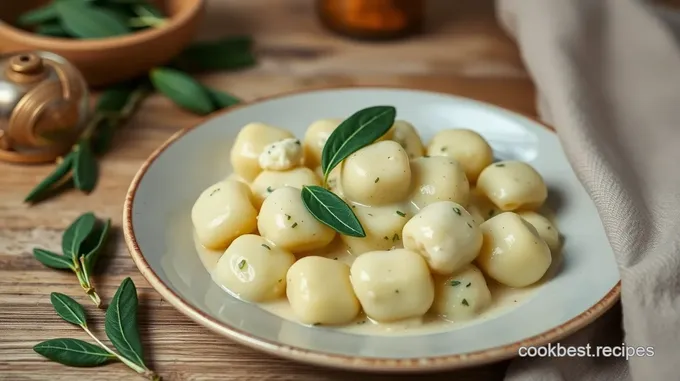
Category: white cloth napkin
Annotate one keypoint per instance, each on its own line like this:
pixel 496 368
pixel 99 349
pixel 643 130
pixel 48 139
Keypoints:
pixel 608 78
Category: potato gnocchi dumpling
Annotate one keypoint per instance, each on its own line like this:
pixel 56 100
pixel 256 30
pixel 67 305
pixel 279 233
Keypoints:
pixel 249 144
pixel 383 226
pixel 254 269
pixel 546 229
pixel 513 185
pixel 512 252
pixel 378 174
pixel 438 179
pixel 461 296
pixel 467 147
pixel 392 285
pixel 285 221
pixel 282 155
pixel 445 234
pixel 315 138
pixel 320 292
pixel 440 221
pixel 223 212
pixel 406 135
pixel 268 181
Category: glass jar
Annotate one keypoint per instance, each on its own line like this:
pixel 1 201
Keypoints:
pixel 372 19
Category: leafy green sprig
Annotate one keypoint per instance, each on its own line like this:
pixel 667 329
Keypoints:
pixel 121 328
pixel 356 132
pixel 82 244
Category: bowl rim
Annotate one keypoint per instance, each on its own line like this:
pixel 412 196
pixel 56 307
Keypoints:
pixel 75 45
pixel 359 363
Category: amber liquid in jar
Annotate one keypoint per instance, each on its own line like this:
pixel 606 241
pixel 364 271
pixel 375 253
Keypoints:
pixel 372 19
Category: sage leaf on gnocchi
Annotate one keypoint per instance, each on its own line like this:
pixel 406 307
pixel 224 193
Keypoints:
pixel 354 133
pixel 331 210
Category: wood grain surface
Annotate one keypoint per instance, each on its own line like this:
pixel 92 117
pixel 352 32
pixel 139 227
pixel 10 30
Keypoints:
pixel 463 52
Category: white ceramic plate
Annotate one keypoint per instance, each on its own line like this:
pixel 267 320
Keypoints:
pixel 158 232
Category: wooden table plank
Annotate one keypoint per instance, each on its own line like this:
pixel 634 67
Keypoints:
pixel 464 53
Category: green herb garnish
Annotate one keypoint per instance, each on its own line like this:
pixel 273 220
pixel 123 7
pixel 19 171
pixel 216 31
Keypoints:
pixel 331 210
pixel 242 264
pixel 82 243
pixel 465 303
pixel 266 247
pixel 500 165
pixel 377 179
pixel 358 131
pixel 457 211
pixel 120 326
pixel 455 283
pixel 395 237
pixel 401 213
pixel 468 285
pixel 295 224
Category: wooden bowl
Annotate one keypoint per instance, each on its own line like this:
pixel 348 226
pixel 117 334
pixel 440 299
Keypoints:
pixel 109 60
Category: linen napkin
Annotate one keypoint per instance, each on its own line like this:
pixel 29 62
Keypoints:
pixel 608 79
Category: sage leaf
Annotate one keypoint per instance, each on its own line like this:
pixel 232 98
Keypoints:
pixel 354 133
pixel 52 179
pixel 68 309
pixel 182 89
pixel 52 30
pixel 38 16
pixel 76 233
pixel 92 252
pixel 221 99
pixel 121 323
pixel 85 171
pixel 73 352
pixel 226 54
pixel 331 210
pixel 52 260
pixel 85 21
pixel 114 99
pixel 144 9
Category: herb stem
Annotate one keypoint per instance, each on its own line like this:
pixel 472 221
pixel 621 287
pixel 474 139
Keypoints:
pixel 143 371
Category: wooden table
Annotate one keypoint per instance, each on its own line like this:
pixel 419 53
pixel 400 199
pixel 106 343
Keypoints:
pixel 464 52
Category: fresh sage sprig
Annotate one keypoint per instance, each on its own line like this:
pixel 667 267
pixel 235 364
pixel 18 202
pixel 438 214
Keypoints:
pixel 82 243
pixel 88 19
pixel 188 93
pixel 331 210
pixel 356 132
pixel 121 328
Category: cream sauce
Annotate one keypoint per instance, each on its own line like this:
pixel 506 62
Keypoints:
pixel 504 299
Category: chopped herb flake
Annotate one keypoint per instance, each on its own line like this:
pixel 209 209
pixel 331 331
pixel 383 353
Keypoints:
pixel 470 226
pixel 455 283
pixel 361 322
pixel 468 285
pixel 315 324
pixel 242 265
pixel 443 149
pixel 266 247
pixel 214 191
pixel 549 227
pixel 395 237
pixel 294 225
pixel 457 211
pixel 401 213
pixel 297 142
pixel 491 212
pixel 377 179
pixel 288 217
pixel 386 238
pixel 370 214
pixel 396 291
pixel 280 280
pixel 500 165
pixel 269 190
pixel 465 303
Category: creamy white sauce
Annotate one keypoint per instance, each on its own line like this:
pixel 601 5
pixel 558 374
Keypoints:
pixel 504 299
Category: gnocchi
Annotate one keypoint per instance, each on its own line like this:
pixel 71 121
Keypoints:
pixel 254 269
pixel 467 147
pixel 285 221
pixel 249 144
pixel 513 185
pixel 268 181
pixel 462 295
pixel 223 212
pixel 512 252
pixel 320 292
pixel 445 232
pixel 392 285
pixel 438 179
pixel 377 174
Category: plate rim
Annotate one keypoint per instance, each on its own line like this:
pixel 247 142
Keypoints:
pixel 359 363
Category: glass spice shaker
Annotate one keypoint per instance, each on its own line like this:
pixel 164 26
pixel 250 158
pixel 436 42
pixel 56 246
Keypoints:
pixel 372 19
